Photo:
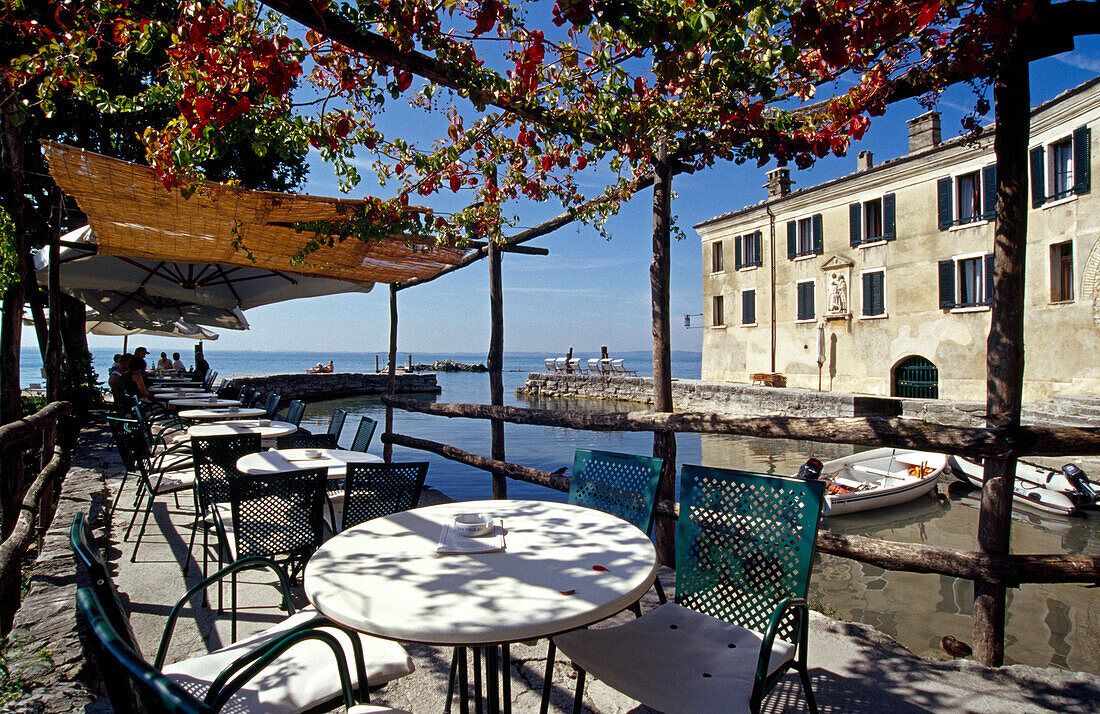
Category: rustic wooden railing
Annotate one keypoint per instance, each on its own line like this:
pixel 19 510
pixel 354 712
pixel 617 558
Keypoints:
pixel 1009 570
pixel 38 500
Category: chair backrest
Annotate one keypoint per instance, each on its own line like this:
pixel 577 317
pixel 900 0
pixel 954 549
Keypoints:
pixel 90 560
pixel 246 394
pixel 133 684
pixel 215 463
pixel 295 412
pixel 306 441
pixel 210 377
pixel 551 366
pixel 376 490
pixel 745 541
pixel 272 405
pixel 594 365
pixel 363 434
pixel 255 399
pixel 336 423
pixel 624 485
pixel 125 432
pixel 279 514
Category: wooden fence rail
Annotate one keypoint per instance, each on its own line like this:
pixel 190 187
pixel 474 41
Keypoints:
pixel 36 507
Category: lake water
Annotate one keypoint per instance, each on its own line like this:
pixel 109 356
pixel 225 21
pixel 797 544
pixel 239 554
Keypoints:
pixel 1048 625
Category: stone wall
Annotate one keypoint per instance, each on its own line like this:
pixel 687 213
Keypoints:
pixel 330 386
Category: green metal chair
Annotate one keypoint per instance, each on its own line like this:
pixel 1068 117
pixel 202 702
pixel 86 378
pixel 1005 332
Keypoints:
pixel 745 544
pixel 363 434
pixel 306 441
pixel 296 665
pixel 271 406
pixel 376 490
pixel 294 412
pixel 336 423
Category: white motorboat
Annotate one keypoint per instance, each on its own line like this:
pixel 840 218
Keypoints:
pixel 879 478
pixel 1031 488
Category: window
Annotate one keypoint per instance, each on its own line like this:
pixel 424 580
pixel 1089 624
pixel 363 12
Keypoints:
pixel 747 249
pixel 805 300
pixel 967 198
pixel 966 281
pixel 1062 168
pixel 871 221
pixel 716 257
pixel 717 319
pixel 748 307
pixel 1061 272
pixel 804 237
pixel 874 293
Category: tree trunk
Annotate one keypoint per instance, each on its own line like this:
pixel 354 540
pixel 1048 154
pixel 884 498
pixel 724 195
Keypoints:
pixel 1005 346
pixel 495 362
pixel 664 443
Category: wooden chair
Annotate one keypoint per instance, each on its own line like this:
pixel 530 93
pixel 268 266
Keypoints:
pixel 296 665
pixel 744 549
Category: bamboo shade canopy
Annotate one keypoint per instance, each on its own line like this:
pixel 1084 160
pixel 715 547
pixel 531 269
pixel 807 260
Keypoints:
pixel 134 216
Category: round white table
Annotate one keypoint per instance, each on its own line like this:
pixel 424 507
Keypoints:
pixel 562 567
pixel 221 414
pixel 177 394
pixel 200 402
pixel 277 461
pixel 272 430
pixel 159 388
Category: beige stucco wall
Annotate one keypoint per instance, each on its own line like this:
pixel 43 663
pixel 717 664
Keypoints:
pixel 1061 338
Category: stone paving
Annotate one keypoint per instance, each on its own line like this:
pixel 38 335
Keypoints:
pixel 854 668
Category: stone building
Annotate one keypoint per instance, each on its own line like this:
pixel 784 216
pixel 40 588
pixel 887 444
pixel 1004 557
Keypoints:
pixel 886 273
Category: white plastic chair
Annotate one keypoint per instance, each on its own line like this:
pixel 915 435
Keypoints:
pixel 594 365
pixel 551 365
pixel 575 365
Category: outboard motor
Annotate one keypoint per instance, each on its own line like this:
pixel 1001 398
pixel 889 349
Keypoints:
pixel 1080 481
pixel 811 470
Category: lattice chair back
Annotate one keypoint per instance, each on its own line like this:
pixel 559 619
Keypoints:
pixel 215 462
pixel 376 490
pixel 363 434
pixel 272 405
pixel 624 485
pixel 255 399
pixel 295 412
pixel 279 514
pixel 246 394
pixel 336 423
pixel 306 441
pixel 125 433
pixel 90 560
pixel 745 541
pixel 210 377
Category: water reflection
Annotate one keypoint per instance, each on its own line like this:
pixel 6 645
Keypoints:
pixel 1048 625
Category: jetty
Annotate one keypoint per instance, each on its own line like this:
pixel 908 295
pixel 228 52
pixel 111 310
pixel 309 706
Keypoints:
pixel 314 387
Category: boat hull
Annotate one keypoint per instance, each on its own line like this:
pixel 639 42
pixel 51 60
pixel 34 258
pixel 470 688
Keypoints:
pixel 884 477
pixel 1028 489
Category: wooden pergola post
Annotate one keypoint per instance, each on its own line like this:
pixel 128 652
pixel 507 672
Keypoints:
pixel 1005 345
pixel 664 442
pixel 495 362
pixel 391 388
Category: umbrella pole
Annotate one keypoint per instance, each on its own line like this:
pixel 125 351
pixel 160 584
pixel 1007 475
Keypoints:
pixel 125 341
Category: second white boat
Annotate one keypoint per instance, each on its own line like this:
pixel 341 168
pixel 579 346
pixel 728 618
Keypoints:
pixel 879 478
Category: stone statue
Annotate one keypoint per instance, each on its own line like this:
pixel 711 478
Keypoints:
pixel 838 295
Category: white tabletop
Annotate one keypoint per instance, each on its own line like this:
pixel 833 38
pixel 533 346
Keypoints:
pixel 178 394
pixel 174 388
pixel 277 461
pixel 273 429
pixel 221 414
pixel 201 401
pixel 384 577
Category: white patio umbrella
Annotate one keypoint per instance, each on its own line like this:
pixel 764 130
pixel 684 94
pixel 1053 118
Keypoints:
pixel 138 288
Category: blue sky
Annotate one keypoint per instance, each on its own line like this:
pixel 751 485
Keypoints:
pixel 589 291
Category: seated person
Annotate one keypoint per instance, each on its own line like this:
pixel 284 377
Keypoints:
pixel 122 366
pixel 328 369
pixel 164 363
pixel 202 367
pixel 316 370
pixel 132 383
pixel 178 364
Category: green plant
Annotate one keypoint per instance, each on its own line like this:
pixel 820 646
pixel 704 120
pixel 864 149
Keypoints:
pixel 32 403
pixel 80 383
pixel 13 685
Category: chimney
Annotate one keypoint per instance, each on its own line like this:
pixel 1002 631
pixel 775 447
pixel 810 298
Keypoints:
pixel 865 160
pixel 779 183
pixel 924 132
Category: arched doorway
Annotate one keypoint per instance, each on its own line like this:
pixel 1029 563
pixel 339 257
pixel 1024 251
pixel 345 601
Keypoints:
pixel 916 377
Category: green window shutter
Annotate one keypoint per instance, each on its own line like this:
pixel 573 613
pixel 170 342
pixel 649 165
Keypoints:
pixel 867 286
pixel 805 301
pixel 1038 179
pixel 943 194
pixel 855 225
pixel 878 297
pixel 947 284
pixel 889 229
pixel 757 253
pixel 989 192
pixel 792 240
pixel 988 279
pixel 818 242
pixel 738 262
pixel 1082 157
pixel 748 307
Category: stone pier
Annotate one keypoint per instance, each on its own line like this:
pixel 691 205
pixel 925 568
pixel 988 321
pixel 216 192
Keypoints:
pixel 313 387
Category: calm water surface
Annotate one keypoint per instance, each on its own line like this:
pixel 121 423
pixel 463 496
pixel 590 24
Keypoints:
pixel 1048 625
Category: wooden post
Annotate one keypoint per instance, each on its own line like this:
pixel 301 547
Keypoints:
pixel 569 360
pixel 1005 346
pixel 495 362
pixel 664 443
pixel 387 449
pixel 53 339
pixel 376 369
